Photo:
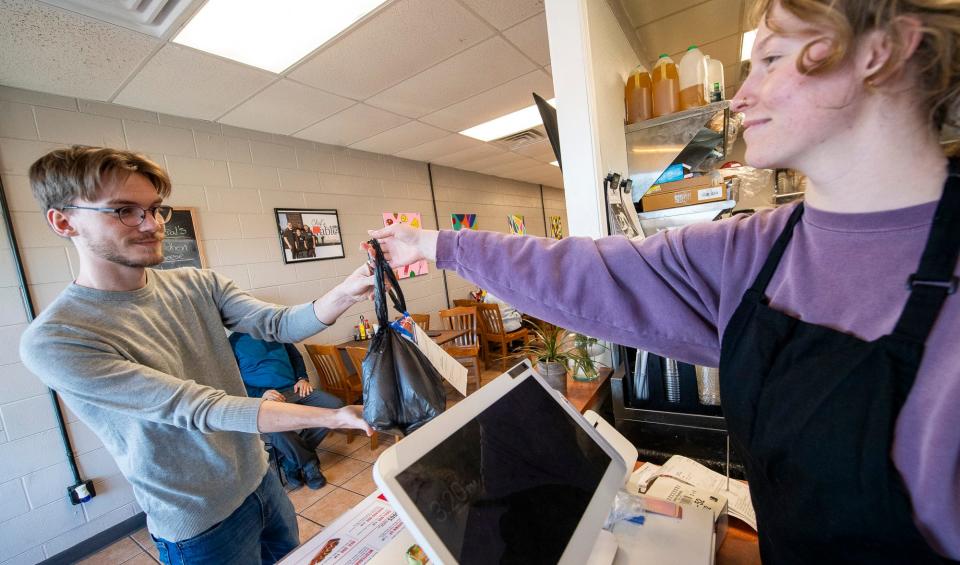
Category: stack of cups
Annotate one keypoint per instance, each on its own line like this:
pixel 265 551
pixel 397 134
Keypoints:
pixel 671 380
pixel 708 385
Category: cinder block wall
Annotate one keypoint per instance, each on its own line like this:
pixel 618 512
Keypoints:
pixel 235 178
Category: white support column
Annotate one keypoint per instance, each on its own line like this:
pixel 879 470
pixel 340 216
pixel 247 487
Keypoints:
pixel 590 59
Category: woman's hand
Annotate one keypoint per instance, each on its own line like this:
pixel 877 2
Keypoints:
pixel 274 396
pixel 351 417
pixel 403 245
pixel 303 387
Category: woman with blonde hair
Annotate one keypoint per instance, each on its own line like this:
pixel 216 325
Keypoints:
pixel 834 322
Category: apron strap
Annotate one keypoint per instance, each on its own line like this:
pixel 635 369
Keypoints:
pixel 934 279
pixel 776 253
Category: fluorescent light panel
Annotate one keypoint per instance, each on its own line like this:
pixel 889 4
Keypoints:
pixel 270 35
pixel 505 125
pixel 746 46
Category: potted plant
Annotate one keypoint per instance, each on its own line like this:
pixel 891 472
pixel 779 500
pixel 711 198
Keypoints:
pixel 582 357
pixel 550 349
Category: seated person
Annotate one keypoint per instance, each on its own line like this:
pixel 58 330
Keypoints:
pixel 510 315
pixel 276 372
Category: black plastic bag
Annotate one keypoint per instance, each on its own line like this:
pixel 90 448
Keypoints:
pixel 402 390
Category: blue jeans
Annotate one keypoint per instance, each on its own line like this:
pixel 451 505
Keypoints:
pixel 262 530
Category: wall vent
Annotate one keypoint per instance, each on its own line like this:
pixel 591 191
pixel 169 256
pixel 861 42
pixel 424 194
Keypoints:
pixel 520 139
pixel 152 17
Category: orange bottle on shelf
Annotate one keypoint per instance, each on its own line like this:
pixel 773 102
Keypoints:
pixel 666 87
pixel 638 96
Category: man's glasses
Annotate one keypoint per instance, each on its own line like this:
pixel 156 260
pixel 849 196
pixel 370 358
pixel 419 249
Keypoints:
pixel 132 216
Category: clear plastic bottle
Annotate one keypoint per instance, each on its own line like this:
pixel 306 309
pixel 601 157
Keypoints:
pixel 693 75
pixel 666 87
pixel 637 95
pixel 715 84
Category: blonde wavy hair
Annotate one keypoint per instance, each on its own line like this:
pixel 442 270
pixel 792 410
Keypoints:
pixel 846 21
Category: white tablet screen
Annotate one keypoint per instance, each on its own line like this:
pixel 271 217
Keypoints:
pixel 512 484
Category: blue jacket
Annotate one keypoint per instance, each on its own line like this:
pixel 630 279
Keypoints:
pixel 266 365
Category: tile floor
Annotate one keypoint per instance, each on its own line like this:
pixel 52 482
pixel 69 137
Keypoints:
pixel 347 466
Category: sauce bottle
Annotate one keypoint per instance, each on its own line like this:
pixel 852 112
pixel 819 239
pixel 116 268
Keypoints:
pixel 637 95
pixel 666 87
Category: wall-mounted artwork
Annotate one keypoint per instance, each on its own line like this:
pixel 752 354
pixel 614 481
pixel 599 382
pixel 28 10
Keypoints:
pixel 517 226
pixel 556 227
pixel 413 220
pixel 308 235
pixel 463 221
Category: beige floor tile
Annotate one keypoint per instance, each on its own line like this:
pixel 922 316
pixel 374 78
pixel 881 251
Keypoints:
pixel 328 458
pixel 308 528
pixel 344 470
pixel 142 559
pixel 370 455
pixel 117 552
pixel 362 483
pixel 304 496
pixel 330 507
pixel 142 537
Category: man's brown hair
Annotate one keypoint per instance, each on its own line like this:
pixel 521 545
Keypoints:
pixel 62 176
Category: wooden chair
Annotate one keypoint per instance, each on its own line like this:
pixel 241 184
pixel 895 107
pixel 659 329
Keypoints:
pixel 422 320
pixel 492 333
pixel 466 348
pixel 465 302
pixel 335 379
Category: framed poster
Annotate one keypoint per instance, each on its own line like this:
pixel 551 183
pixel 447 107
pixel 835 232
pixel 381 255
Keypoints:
pixel 181 241
pixel 308 235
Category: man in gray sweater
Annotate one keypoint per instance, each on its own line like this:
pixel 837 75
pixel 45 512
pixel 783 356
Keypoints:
pixel 141 356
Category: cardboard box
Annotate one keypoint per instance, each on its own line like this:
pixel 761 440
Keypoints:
pixel 702 181
pixel 688 196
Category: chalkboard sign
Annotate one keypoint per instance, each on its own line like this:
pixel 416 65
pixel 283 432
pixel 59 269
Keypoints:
pixel 181 246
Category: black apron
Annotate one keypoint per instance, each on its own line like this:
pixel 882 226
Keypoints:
pixel 812 412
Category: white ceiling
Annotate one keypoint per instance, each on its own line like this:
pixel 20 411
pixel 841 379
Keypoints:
pixel 402 81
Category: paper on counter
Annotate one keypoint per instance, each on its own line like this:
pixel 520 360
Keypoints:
pixel 695 474
pixel 448 367
pixel 352 539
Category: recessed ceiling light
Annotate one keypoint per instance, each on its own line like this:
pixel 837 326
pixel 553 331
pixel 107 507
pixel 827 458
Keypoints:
pixel 746 46
pixel 269 35
pixel 505 125
pixel 555 163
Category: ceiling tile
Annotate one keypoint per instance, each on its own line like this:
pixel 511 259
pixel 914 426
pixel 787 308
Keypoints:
pixel 505 13
pixel 645 11
pixel 493 103
pixel 491 63
pixel 492 161
pixel 52 50
pixel 401 40
pixel 467 155
pixel 699 25
pixel 285 107
pixel 351 125
pixel 431 150
pixel 186 82
pixel 531 38
pixel 397 139
pixel 541 151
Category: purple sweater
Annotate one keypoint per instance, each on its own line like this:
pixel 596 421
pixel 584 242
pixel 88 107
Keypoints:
pixel 675 292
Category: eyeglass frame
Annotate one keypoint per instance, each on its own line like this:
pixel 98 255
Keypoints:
pixel 143 211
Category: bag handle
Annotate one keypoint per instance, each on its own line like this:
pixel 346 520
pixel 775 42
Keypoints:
pixel 385 274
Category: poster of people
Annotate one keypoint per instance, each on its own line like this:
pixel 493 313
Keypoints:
pixel 309 235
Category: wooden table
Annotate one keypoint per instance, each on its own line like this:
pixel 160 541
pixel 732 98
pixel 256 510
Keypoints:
pixel 584 395
pixel 440 337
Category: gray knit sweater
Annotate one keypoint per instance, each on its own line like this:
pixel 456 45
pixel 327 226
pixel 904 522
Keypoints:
pixel 151 372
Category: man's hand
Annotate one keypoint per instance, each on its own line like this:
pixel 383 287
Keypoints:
pixel 351 417
pixel 303 387
pixel 356 287
pixel 403 245
pixel 274 396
